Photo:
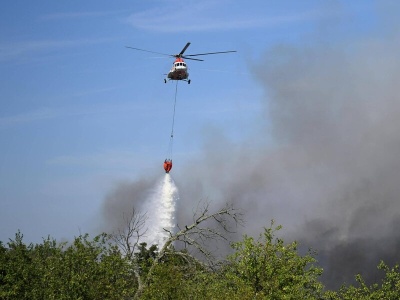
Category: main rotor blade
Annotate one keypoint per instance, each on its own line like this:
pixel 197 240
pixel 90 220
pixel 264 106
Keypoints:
pixel 184 49
pixel 150 51
pixel 230 51
pixel 185 57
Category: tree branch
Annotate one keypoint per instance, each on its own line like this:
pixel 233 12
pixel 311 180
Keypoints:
pixel 196 236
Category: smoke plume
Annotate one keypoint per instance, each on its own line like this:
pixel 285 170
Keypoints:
pixel 325 160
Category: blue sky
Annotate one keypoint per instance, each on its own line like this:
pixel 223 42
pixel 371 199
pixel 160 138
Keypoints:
pixel 80 112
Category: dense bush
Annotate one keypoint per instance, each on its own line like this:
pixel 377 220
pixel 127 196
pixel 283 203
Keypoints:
pixel 263 268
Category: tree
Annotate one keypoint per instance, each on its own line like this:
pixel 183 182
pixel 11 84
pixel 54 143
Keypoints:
pixel 265 268
pixel 388 289
pixel 194 236
pixel 85 269
pixel 272 269
pixel 127 238
pixel 17 271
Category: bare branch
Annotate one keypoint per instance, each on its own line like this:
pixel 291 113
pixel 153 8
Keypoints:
pixel 197 237
pixel 128 237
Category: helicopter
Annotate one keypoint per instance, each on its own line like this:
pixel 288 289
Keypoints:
pixel 179 70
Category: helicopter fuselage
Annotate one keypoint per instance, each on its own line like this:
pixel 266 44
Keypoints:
pixel 179 70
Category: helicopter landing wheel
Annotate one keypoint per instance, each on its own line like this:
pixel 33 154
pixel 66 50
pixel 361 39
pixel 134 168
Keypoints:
pixel 165 80
pixel 189 81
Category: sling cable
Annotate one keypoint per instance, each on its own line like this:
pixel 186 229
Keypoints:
pixel 168 160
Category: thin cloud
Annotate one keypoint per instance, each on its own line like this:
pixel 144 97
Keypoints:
pixel 117 163
pixel 79 15
pixel 46 113
pixel 109 159
pixel 13 50
pixel 97 91
pixel 28 117
pixel 206 16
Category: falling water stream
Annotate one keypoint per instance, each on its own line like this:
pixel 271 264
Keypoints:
pixel 160 209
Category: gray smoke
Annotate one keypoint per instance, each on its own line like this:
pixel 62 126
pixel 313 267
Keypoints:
pixel 326 164
pixel 125 197
pixel 325 160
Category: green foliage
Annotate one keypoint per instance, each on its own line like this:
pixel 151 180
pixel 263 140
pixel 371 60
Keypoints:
pixel 16 269
pixel 145 257
pixel 83 270
pixel 273 270
pixel 263 268
pixel 389 289
pixel 169 275
pixel 259 269
pixel 216 285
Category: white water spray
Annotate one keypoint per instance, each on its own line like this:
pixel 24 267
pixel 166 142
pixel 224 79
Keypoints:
pixel 160 209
